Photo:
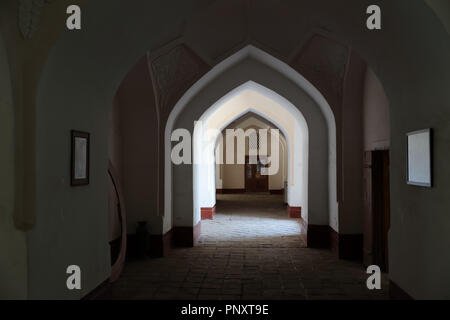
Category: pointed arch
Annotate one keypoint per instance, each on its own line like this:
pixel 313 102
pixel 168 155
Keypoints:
pixel 257 69
pixel 251 97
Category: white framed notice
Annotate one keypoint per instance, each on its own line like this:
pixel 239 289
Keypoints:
pixel 80 158
pixel 419 158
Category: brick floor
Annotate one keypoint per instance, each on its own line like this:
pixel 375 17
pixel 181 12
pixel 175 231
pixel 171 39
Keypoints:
pixel 251 250
pixel 252 221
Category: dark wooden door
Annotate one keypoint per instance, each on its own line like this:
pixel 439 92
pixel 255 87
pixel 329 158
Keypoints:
pixel 368 210
pixel 376 208
pixel 383 254
pixel 255 181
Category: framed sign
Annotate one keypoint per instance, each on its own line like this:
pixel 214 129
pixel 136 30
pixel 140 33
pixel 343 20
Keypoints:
pixel 80 158
pixel 419 158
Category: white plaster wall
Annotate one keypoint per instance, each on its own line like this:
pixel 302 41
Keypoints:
pixel 13 247
pixel 204 170
pixel 219 176
pixel 72 223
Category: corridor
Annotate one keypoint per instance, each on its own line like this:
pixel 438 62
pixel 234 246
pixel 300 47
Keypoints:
pixel 126 125
pixel 250 250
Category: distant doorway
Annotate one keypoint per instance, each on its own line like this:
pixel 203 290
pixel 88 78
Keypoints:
pixel 255 181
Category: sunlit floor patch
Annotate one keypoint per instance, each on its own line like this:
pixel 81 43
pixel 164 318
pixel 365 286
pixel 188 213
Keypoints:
pixel 252 220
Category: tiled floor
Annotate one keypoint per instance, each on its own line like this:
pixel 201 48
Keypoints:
pixel 252 221
pixel 251 250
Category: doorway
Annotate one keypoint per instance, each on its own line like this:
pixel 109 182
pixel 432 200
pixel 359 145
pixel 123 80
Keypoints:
pixel 255 181
pixel 376 208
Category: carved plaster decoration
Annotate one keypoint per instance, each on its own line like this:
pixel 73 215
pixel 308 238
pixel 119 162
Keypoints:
pixel 324 62
pixel 29 16
pixel 173 73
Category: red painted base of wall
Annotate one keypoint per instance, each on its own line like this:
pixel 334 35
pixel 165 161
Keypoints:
pixel 208 213
pixel 294 212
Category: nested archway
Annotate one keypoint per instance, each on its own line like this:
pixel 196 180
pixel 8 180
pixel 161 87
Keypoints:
pixel 281 84
pixel 251 125
pixel 252 98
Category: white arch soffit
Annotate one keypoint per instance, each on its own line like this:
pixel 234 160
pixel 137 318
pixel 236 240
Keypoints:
pixel 267 93
pixel 288 72
pixel 277 99
pixel 247 110
pixel 203 174
pixel 250 85
pixel 257 112
pixel 284 138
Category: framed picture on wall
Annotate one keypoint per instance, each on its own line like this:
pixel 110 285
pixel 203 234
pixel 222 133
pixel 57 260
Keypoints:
pixel 419 161
pixel 80 158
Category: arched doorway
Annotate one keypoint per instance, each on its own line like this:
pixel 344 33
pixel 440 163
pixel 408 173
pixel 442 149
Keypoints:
pixel 250 205
pixel 314 115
